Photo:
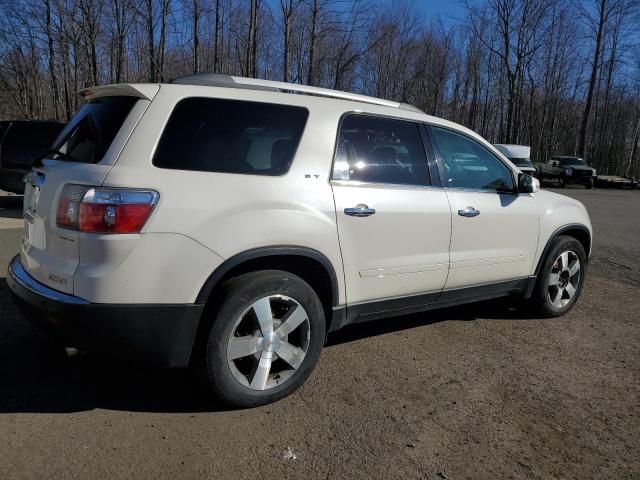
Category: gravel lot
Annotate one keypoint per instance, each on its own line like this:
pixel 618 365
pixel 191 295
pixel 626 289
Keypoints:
pixel 483 391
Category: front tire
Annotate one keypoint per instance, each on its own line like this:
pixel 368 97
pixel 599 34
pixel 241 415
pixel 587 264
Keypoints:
pixel 266 338
pixel 561 277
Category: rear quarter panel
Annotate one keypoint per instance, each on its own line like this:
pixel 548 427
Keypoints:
pixel 231 213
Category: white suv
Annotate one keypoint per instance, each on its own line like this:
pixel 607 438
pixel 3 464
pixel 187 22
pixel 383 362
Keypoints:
pixel 232 223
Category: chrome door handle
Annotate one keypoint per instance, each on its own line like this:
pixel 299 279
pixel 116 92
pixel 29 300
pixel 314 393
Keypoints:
pixel 468 212
pixel 360 210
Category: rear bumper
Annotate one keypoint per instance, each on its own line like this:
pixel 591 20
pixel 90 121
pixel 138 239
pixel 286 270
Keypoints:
pixel 158 334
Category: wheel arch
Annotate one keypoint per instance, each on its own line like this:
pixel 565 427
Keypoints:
pixel 281 257
pixel 307 263
pixel 576 230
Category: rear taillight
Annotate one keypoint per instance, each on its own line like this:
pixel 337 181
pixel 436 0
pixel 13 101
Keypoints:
pixel 103 209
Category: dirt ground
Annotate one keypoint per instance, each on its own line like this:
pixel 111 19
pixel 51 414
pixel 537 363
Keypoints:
pixel 483 391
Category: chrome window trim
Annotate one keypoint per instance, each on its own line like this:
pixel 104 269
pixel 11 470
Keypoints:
pixel 395 186
pixel 479 190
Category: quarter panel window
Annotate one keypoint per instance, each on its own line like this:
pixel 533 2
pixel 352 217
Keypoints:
pixel 380 150
pixel 231 136
pixel 89 134
pixel 468 164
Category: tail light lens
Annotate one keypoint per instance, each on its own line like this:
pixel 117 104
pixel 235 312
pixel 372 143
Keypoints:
pixel 104 210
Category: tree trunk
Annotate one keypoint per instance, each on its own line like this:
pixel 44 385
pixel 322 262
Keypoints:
pixel 313 38
pixel 196 36
pixel 216 39
pixel 150 44
pixel 52 63
pixel 595 67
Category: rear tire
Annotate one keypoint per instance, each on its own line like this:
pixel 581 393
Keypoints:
pixel 265 340
pixel 561 278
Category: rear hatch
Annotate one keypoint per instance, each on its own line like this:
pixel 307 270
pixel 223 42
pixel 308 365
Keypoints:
pixel 83 154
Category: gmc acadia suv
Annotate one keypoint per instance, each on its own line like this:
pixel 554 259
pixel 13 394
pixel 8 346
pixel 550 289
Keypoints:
pixel 231 223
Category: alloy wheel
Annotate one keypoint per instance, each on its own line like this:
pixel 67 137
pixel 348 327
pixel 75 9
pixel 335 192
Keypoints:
pixel 269 342
pixel 564 279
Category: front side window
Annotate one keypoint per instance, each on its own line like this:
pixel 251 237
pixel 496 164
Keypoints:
pixel 380 150
pixel 468 164
pixel 231 136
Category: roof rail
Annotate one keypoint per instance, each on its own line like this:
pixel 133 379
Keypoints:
pixel 219 80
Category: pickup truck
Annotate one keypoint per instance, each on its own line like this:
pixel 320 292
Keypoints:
pixel 21 142
pixel 566 170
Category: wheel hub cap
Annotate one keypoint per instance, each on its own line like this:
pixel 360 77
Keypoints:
pixel 564 279
pixel 269 342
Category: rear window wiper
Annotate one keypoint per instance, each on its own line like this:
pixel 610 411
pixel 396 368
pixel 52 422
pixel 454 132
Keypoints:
pixel 37 162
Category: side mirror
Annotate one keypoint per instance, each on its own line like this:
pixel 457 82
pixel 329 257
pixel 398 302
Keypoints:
pixel 555 164
pixel 528 184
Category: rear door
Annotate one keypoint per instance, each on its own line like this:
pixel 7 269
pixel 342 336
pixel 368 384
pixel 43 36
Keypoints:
pixel 87 148
pixel 394 226
pixel 494 234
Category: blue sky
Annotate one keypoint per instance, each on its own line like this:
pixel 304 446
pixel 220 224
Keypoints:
pixel 445 9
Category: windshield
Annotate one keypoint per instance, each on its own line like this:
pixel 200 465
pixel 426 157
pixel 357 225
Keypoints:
pixel 88 135
pixel 522 162
pixel 570 161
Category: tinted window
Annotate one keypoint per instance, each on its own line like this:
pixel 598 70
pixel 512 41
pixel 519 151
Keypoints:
pixel 24 141
pixel 468 164
pixel 380 150
pixel 3 128
pixel 231 136
pixel 88 135
pixel 572 161
pixel 522 162
pixel 33 134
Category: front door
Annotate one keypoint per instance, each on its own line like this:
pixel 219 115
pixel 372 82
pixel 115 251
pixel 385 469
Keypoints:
pixel 494 229
pixel 394 227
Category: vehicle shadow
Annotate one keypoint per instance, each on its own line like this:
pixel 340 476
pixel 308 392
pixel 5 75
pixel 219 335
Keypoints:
pixel 36 376
pixel 11 206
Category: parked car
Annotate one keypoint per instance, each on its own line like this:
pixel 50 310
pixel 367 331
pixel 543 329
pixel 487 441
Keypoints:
pixel 230 224
pixel 21 141
pixel 520 156
pixel 567 170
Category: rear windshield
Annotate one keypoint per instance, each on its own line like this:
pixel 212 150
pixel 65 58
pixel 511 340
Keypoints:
pixel 88 135
pixel 231 136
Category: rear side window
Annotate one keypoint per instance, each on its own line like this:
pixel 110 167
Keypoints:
pixel 380 150
pixel 231 136
pixel 89 134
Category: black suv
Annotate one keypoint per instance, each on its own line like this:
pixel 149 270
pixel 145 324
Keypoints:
pixel 21 141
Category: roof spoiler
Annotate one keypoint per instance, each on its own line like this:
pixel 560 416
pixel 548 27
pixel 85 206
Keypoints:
pixel 144 91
